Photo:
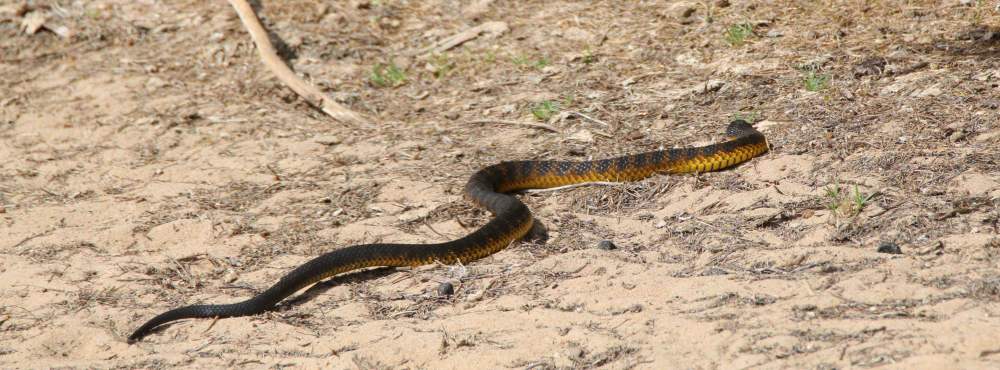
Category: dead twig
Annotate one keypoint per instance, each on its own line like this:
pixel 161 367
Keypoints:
pixel 29 238
pixel 494 28
pixel 515 123
pixel 564 187
pixel 270 57
pixel 589 118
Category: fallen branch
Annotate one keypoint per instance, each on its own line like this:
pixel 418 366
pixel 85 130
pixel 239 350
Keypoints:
pixel 280 69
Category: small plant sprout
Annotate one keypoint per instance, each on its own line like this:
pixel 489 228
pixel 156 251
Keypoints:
pixel 568 100
pixel 860 200
pixel 387 75
pixel 737 34
pixel 814 81
pixel 490 57
pixel 523 61
pixel 832 196
pixel 545 110
pixel 844 203
pixel 588 56
pixel 542 63
pixel 519 60
pixel 441 65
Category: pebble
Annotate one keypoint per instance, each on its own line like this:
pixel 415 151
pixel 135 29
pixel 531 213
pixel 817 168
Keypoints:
pixel 682 10
pixel 928 92
pixel 327 140
pixel 606 245
pixel 574 353
pixel 446 289
pixel 155 83
pixel 890 248
pixel 583 136
pixel 713 271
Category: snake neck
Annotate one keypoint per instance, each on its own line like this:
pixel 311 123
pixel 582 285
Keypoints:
pixel 519 175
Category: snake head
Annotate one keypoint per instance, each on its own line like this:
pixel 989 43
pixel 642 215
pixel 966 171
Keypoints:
pixel 738 128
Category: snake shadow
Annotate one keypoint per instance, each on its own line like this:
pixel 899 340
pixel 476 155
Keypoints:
pixel 321 287
pixel 314 291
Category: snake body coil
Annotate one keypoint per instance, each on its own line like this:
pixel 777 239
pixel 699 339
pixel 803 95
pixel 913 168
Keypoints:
pixel 512 220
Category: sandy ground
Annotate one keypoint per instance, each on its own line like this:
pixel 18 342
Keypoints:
pixel 148 160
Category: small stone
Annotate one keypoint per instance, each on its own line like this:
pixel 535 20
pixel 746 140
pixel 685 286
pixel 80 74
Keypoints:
pixel 446 289
pixel 956 136
pixel 538 234
pixel 928 92
pixel 713 271
pixel 574 353
pixel 890 248
pixel 682 10
pixel 874 65
pixel 32 22
pixel 477 9
pixel 583 136
pixel 327 140
pixel 155 83
pixel 62 31
pixel 606 245
pixel 451 115
pixel 230 276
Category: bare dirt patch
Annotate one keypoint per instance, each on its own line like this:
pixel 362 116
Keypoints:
pixel 148 160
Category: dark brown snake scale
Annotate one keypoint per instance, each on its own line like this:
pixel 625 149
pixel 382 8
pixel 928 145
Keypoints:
pixel 487 188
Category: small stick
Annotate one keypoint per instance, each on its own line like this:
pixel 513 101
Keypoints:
pixel 449 42
pixel 270 57
pixel 516 123
pixel 589 118
pixel 564 187
pixel 432 229
pixel 36 235
pixel 211 325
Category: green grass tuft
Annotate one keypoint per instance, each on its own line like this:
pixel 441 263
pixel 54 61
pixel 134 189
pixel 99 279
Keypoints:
pixel 523 61
pixel 545 110
pixel 814 81
pixel 588 56
pixel 387 76
pixel 442 65
pixel 844 203
pixel 737 34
